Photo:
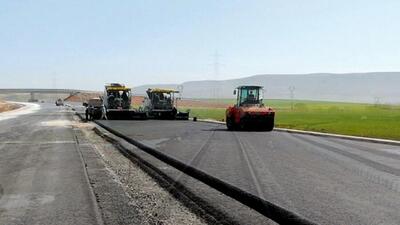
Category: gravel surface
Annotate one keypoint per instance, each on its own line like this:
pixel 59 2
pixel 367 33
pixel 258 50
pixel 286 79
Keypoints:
pixel 154 204
pixel 42 177
pixel 55 170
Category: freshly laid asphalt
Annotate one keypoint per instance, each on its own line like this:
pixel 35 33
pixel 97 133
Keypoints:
pixel 42 177
pixel 327 180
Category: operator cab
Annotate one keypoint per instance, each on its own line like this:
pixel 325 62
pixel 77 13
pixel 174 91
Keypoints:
pixel 161 98
pixel 118 96
pixel 249 95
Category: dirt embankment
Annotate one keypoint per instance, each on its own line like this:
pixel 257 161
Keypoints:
pixel 82 97
pixel 5 106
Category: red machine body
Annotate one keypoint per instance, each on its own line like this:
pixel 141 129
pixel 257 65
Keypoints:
pixel 249 112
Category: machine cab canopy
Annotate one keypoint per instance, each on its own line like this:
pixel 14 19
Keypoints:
pixel 162 90
pixel 249 95
pixel 118 90
pixel 161 98
pixel 160 93
pixel 117 96
pixel 117 87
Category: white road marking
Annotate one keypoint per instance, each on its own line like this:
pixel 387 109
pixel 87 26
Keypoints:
pixel 56 123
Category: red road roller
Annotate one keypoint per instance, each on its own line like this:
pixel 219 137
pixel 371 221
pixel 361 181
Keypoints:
pixel 249 112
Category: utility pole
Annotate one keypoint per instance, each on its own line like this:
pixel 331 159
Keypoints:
pixel 291 89
pixel 180 89
pixel 54 83
pixel 377 101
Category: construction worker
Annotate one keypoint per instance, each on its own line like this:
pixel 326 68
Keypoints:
pixel 110 100
pixel 87 113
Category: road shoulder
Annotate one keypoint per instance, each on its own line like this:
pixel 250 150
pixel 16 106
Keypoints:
pixel 124 192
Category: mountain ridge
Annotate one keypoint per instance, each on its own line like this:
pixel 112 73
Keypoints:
pixel 369 87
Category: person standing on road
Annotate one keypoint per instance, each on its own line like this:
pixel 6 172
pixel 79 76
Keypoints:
pixel 87 113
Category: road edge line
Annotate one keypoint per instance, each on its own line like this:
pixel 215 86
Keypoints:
pixel 96 208
pixel 314 133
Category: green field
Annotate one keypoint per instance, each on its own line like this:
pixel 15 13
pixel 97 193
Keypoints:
pixel 367 120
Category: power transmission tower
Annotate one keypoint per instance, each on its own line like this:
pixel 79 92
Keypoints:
pixel 216 66
pixel 291 89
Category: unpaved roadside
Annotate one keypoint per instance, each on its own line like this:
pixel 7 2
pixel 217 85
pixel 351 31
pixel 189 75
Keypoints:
pixel 153 204
pixel 6 106
pixel 18 109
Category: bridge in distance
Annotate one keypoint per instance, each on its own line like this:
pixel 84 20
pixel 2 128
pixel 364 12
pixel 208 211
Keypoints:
pixel 33 91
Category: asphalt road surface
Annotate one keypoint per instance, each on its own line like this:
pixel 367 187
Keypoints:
pixel 327 180
pixel 42 178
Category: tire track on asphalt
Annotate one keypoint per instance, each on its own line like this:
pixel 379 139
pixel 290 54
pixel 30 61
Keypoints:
pixel 197 158
pixel 372 175
pixel 366 149
pixel 388 180
pixel 1 191
pixel 273 184
pixel 378 166
pixel 246 162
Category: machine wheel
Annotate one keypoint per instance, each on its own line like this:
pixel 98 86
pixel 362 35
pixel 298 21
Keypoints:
pixel 147 114
pixel 270 125
pixel 171 116
pixel 96 116
pixel 230 123
pixel 174 113
pixel 109 116
pixel 144 116
pixel 244 126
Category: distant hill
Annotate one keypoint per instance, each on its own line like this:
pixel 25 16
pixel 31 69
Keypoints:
pixel 352 87
pixel 141 90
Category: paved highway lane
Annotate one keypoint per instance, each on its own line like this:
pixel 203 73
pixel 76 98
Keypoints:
pixel 328 180
pixel 42 178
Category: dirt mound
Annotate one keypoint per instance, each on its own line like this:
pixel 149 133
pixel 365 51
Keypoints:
pixel 82 97
pixel 5 106
pixel 137 100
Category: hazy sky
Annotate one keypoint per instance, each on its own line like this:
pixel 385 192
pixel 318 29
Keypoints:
pixel 83 44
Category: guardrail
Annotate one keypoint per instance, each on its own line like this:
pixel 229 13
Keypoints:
pixel 266 208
